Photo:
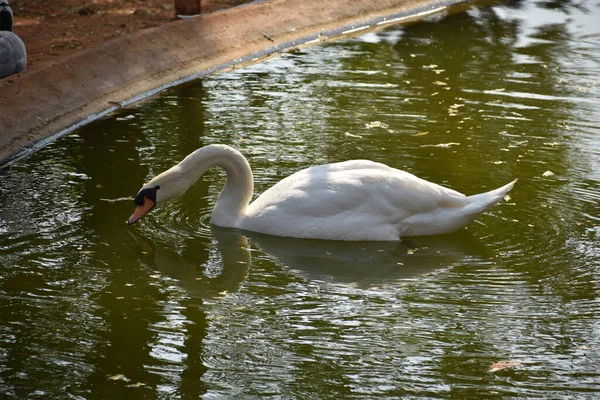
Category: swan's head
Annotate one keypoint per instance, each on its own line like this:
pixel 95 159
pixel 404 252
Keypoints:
pixel 163 187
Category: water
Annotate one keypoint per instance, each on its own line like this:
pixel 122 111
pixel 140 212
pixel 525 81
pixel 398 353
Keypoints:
pixel 173 308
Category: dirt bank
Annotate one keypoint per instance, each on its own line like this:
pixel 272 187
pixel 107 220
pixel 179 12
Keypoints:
pixel 54 29
pixel 83 84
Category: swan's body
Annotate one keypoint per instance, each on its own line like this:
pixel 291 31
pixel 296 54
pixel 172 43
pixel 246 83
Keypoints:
pixel 13 56
pixel 351 200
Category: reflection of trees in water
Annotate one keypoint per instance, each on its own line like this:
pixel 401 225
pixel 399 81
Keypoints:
pixel 441 85
pixel 125 301
pixel 516 124
pixel 131 305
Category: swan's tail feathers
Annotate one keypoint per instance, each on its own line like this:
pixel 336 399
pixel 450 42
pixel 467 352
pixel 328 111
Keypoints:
pixel 483 201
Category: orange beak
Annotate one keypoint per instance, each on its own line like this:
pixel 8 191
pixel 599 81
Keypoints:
pixel 141 210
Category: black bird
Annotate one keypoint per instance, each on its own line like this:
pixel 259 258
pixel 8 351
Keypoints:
pixel 13 56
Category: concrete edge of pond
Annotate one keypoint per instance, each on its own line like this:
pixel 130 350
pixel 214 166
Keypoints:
pixel 44 103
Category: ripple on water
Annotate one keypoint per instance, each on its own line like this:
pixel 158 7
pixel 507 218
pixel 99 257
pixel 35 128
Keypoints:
pixel 173 223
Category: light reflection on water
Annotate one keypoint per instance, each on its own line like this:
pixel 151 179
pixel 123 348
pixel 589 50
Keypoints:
pixel 175 308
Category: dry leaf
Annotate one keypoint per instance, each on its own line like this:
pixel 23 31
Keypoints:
pixel 376 124
pixel 118 377
pixel 442 145
pixel 348 134
pixel 500 365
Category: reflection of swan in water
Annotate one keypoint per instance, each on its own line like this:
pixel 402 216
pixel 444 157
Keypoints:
pixel 353 200
pixel 372 262
pixel 364 263
pixel 234 257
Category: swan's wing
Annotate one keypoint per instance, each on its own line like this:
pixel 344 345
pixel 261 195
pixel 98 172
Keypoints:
pixel 359 194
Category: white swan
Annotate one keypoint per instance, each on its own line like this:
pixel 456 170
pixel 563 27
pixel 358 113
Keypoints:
pixel 351 200
pixel 13 56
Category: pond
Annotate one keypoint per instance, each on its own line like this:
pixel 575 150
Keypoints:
pixel 174 308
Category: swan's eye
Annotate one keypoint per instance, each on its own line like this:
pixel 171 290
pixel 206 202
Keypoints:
pixel 157 187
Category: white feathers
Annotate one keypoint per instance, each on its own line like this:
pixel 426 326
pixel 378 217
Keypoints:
pixel 352 200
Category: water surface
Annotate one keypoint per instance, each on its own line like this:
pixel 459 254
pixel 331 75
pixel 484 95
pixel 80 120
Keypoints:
pixel 174 308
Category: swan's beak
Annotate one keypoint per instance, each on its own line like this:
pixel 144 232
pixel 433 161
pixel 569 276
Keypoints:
pixel 141 210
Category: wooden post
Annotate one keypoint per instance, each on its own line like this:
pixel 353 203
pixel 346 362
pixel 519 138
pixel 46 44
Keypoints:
pixel 187 7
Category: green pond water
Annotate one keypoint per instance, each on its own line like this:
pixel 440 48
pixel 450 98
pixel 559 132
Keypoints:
pixel 174 308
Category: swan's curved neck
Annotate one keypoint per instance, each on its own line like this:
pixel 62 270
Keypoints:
pixel 238 189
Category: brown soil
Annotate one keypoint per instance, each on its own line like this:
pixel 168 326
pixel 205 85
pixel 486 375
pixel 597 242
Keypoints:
pixel 52 29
